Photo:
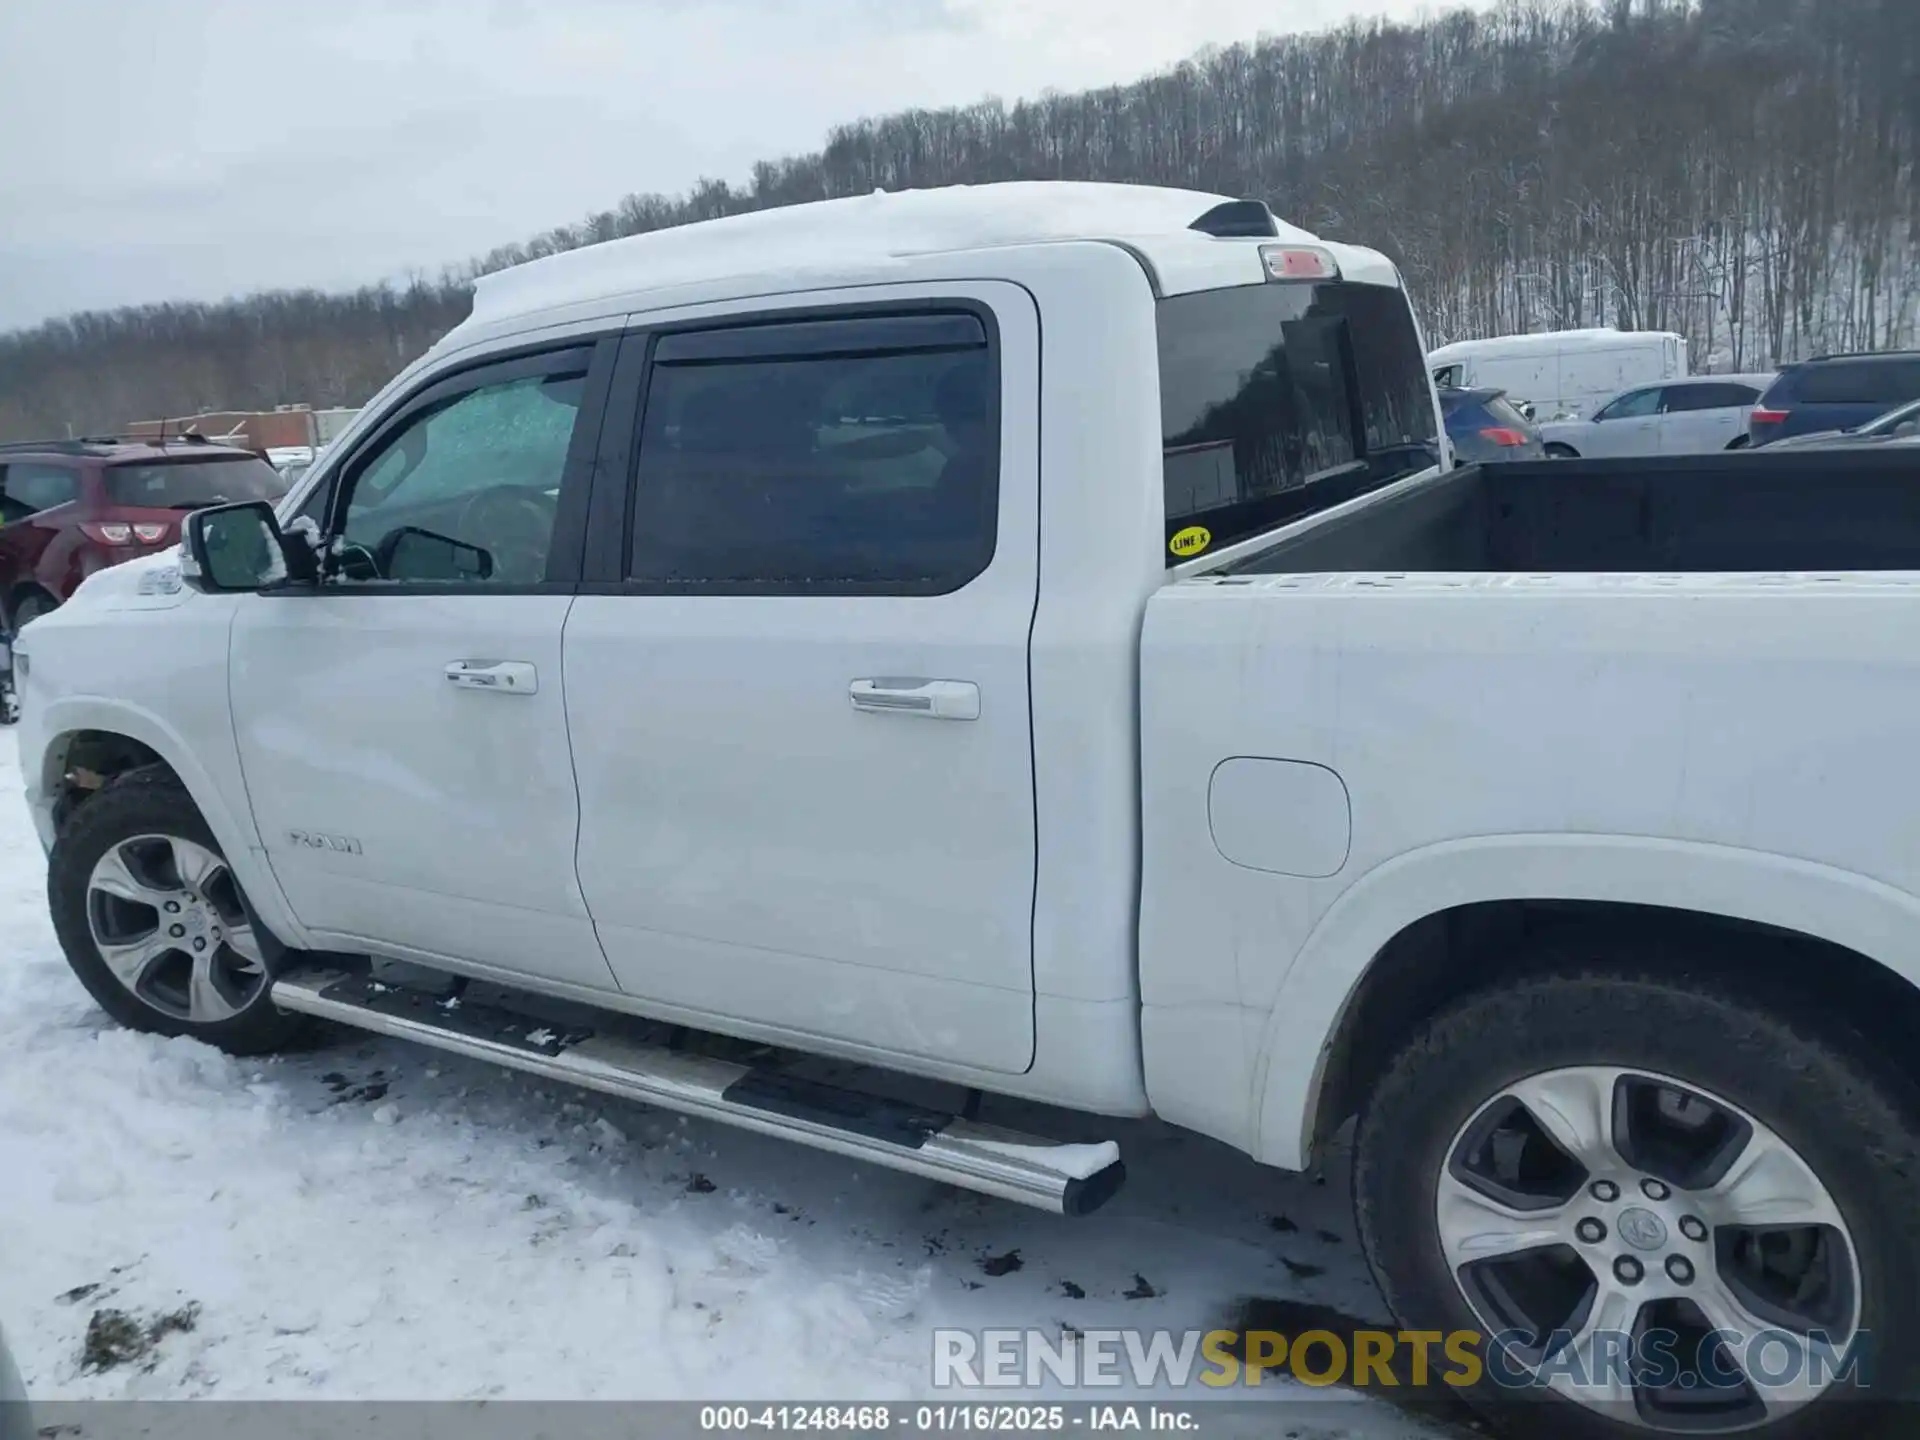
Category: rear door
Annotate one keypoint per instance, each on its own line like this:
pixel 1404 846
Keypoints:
pixel 797 680
pixel 1698 417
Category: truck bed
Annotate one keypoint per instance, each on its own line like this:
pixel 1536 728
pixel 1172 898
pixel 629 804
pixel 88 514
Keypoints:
pixel 1504 682
pixel 1808 510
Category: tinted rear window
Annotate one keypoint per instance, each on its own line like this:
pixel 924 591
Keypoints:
pixel 1855 382
pixel 1470 412
pixel 1501 411
pixel 1723 395
pixel 185 483
pixel 1279 400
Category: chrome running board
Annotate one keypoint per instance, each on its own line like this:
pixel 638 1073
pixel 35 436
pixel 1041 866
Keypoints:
pixel 1064 1179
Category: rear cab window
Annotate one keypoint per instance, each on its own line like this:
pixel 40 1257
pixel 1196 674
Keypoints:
pixel 1282 399
pixel 192 482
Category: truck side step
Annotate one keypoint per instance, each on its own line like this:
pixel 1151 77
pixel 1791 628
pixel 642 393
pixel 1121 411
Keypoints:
pixel 1065 1179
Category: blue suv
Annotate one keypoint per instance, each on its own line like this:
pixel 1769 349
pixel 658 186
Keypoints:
pixel 1834 392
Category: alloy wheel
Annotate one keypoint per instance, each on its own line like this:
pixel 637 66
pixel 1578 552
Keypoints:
pixel 1646 1248
pixel 166 916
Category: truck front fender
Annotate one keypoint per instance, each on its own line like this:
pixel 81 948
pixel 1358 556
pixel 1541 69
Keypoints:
pixel 43 745
pixel 1837 906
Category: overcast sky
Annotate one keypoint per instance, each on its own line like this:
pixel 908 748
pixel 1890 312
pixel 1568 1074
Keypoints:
pixel 163 149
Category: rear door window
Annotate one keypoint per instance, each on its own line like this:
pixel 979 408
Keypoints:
pixel 1859 382
pixel 841 456
pixel 1682 398
pixel 193 484
pixel 1279 400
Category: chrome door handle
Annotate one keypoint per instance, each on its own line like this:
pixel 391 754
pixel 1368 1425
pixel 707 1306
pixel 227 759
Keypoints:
pixel 931 699
pixel 508 677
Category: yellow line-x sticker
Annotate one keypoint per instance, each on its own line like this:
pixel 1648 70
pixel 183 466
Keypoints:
pixel 1190 541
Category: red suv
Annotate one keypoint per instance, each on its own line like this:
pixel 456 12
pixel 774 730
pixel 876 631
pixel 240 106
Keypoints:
pixel 71 507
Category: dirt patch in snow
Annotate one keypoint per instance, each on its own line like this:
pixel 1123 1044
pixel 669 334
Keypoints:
pixel 116 1338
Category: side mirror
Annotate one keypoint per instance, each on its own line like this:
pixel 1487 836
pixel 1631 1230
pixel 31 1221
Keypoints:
pixel 231 548
pixel 1906 429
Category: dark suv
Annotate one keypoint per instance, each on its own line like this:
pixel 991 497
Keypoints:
pixel 71 507
pixel 1834 392
pixel 1484 427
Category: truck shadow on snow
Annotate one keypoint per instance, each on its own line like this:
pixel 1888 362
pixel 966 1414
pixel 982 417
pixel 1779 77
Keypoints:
pixel 1199 1237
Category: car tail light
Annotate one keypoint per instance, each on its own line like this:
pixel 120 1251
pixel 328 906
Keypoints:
pixel 1298 262
pixel 122 532
pixel 1503 436
pixel 1761 415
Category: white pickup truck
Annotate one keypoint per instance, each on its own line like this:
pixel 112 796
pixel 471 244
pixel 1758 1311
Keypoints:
pixel 1029 640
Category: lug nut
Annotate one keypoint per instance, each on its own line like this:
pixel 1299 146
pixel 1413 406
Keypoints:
pixel 173 907
pixel 1680 1269
pixel 199 944
pixel 1654 1190
pixel 1693 1227
pixel 1627 1270
pixel 1604 1190
pixel 1591 1231
pixel 176 931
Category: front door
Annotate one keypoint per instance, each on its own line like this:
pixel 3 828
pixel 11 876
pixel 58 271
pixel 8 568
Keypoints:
pixel 401 725
pixel 1629 426
pixel 799 700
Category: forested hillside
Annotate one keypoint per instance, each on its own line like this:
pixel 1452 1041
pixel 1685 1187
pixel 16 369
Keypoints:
pixel 1740 170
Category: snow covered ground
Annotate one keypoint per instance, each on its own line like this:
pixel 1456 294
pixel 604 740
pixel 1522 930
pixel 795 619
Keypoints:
pixel 375 1222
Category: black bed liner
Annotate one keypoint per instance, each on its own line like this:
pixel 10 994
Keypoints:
pixel 1789 510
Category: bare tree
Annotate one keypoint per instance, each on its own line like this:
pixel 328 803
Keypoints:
pixel 1743 171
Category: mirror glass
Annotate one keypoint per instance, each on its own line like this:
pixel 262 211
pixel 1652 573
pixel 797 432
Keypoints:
pixel 240 547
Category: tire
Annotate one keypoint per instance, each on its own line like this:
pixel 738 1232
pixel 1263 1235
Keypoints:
pixel 31 608
pixel 1800 1085
pixel 142 836
pixel 1557 451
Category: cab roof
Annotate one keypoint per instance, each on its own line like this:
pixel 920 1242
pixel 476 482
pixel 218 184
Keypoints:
pixel 874 238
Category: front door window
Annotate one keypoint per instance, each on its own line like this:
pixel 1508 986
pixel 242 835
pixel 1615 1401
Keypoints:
pixel 466 490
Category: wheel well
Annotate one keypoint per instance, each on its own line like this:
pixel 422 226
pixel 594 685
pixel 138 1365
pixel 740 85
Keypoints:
pixel 1452 954
pixel 82 761
pixel 21 592
pixel 1560 447
pixel 1740 442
